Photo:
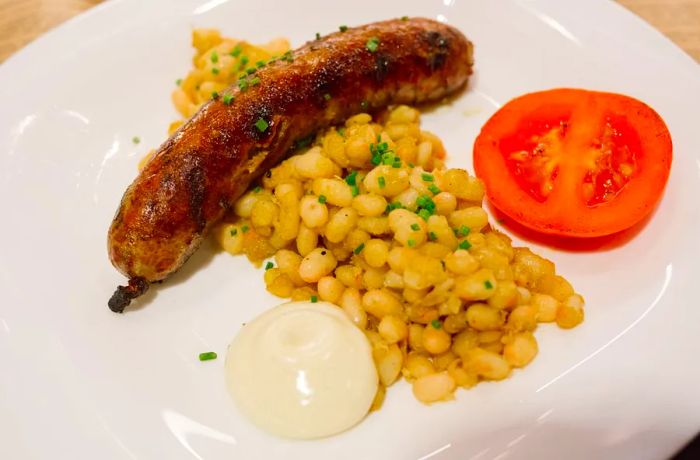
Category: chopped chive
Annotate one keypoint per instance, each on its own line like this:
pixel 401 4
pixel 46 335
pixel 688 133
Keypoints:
pixel 244 60
pixel 359 248
pixel 415 227
pixel 269 265
pixel 341 131
pixel 208 356
pixel 411 242
pixel 236 51
pixel 314 299
pixel 436 323
pixel 245 228
pixel 463 230
pixel 135 139
pixel 372 44
pixel 178 82
pixel 318 36
pixel 215 70
pixel 234 231
pixel 260 64
pixel 257 189
pixel 255 81
pixel 355 190
pixel 214 57
pixel 214 95
pixel 381 181
pixel 488 284
pixel 327 97
pixel 250 70
pixel 343 28
pixel 424 214
pixel 304 142
pixel 465 245
pixel 391 206
pixel 432 236
pixel 242 85
pixel 261 125
pixel 434 189
pixel 351 178
pixel 427 177
pixel 397 163
pixel 322 199
pixel 227 99
pixel 411 165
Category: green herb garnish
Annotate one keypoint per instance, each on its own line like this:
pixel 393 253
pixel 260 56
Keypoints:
pixel 372 44
pixel 359 248
pixel 236 51
pixel 208 356
pixel 245 228
pixel 411 242
pixel 381 181
pixel 135 139
pixel 415 227
pixel 343 28
pixel 351 178
pixel 322 199
pixel 262 125
pixel 314 299
pixel 214 57
pixel 465 245
pixel 269 265
pixel 391 206
pixel 488 284
pixel 434 189
pixel 427 177
pixel 436 323
pixel 304 142
pixel 227 99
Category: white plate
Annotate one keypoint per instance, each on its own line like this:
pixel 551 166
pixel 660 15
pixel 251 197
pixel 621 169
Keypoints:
pixel 77 381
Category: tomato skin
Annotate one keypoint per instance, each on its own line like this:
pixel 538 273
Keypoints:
pixel 579 198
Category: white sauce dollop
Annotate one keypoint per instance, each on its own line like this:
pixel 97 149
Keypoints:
pixel 302 370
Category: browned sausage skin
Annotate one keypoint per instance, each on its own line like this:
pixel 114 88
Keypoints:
pixel 197 174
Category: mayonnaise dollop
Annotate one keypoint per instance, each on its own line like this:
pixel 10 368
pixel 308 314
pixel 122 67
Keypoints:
pixel 302 370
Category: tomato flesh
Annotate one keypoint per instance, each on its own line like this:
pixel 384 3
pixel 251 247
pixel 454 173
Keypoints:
pixel 574 162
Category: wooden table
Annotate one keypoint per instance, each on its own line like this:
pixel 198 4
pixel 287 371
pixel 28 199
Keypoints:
pixel 23 20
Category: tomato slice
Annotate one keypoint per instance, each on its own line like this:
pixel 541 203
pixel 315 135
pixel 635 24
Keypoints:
pixel 574 162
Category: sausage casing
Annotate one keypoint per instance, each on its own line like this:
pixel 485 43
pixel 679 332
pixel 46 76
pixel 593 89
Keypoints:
pixel 196 175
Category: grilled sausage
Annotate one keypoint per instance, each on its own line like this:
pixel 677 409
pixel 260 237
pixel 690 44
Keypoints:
pixel 197 174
